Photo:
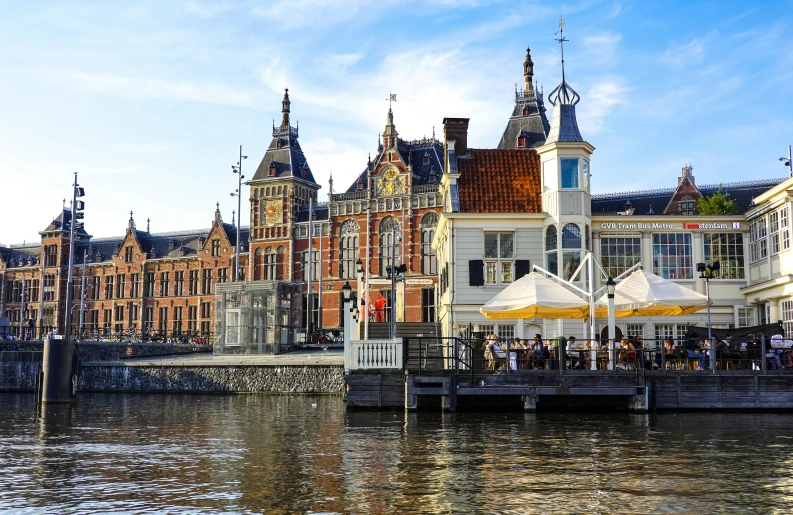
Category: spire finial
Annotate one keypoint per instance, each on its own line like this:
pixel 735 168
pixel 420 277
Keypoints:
pixel 64 205
pixel 330 182
pixel 528 69
pixel 563 93
pixel 218 219
pixel 285 107
pixel 148 221
pixel 233 214
pixel 131 224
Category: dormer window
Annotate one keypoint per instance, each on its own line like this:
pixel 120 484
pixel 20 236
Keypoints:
pixel 272 169
pixel 359 184
pixel 116 248
pixel 278 143
pixel 525 111
pixel 201 241
pixel 153 252
pixel 98 257
pixel 521 141
pixel 182 251
pixel 426 158
pixel 172 244
pixel 432 175
pixel 304 170
pixel 91 250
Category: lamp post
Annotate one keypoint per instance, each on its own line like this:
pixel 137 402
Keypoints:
pixel 346 293
pixel 708 272
pixel 77 213
pixel 362 295
pixel 788 161
pixel 238 170
pixel 611 286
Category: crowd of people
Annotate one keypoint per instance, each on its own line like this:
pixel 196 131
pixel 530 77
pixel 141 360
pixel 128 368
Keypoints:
pixel 689 353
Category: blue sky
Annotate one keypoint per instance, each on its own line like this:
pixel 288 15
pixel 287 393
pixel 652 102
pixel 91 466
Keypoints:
pixel 149 101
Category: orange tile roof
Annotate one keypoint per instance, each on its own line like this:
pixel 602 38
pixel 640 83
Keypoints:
pixel 500 181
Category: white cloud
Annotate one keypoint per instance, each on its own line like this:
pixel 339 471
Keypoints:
pixel 207 9
pixel 601 98
pixel 601 49
pixel 681 56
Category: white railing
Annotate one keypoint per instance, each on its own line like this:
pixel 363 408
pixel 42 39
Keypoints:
pixel 373 354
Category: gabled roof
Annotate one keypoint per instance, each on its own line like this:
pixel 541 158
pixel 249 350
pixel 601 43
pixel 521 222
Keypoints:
pixel 500 181
pixel 59 222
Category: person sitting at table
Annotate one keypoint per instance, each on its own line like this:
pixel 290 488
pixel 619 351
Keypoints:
pixel 493 351
pixel 753 352
pixel 513 355
pixel 571 352
pixel 528 354
pixel 669 352
pixel 627 353
pixel 588 355
pixel 722 353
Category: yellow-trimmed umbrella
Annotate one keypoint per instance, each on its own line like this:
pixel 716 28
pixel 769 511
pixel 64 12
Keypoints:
pixel 646 294
pixel 534 296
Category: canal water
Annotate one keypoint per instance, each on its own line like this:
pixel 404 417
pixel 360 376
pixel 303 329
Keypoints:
pixel 181 454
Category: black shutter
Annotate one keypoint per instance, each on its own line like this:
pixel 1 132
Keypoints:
pixel 522 267
pixel 476 272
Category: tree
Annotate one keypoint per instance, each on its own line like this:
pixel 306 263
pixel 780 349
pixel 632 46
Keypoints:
pixel 718 204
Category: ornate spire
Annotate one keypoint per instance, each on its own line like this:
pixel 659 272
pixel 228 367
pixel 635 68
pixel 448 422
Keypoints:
pixel 330 183
pixel 285 103
pixel 233 214
pixel 563 94
pixel 148 221
pixel 528 73
pixel 218 219
pixel 130 224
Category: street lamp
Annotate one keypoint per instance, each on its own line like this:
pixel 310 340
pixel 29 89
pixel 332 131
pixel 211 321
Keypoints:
pixel 611 287
pixel 238 170
pixel 346 291
pixel 788 161
pixel 708 272
pixel 77 214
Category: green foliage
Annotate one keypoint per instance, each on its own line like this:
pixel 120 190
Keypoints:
pixel 718 204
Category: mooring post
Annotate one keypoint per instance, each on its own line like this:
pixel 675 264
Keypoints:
pixel 57 367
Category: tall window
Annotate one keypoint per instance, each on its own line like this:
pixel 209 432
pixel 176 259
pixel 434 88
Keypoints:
pixel 34 291
pixel 177 320
pixel 93 320
pixel 727 249
pixel 619 253
pixel 95 287
pixel 192 318
pixel 757 240
pixel 109 287
pixel 121 286
pixel 571 250
pixel 133 315
pixel 428 305
pixel 162 326
pixel 569 173
pixel 429 261
pixel 148 319
pixel 664 331
pixel 193 284
pixel 386 245
pixel 148 284
pixel 178 283
pixel 165 286
pixel 206 287
pixel 128 253
pixel 672 255
pixel 315 266
pixel 223 275
pixel 779 231
pixel 551 256
pixel 119 318
pixel 499 252
pixel 787 317
pixel 108 321
pixel 269 264
pixel 348 249
pixel 215 247
pixel 134 285
pixel 51 255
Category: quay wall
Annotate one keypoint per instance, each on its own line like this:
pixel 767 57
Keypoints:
pixel 113 377
pixel 100 351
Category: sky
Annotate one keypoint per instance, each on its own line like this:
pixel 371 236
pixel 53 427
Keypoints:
pixel 149 101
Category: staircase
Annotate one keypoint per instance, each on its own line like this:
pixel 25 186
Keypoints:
pixel 382 330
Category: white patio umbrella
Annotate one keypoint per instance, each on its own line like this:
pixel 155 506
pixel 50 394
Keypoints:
pixel 534 296
pixel 646 294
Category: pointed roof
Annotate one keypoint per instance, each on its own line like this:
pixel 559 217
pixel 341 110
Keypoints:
pixel 564 126
pixel 284 153
pixel 528 118
pixel 61 224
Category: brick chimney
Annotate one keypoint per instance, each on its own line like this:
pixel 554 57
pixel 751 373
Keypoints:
pixel 456 129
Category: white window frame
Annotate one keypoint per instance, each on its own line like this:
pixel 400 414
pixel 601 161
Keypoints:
pixel 499 265
pixel 732 264
pixel 738 317
pixel 758 235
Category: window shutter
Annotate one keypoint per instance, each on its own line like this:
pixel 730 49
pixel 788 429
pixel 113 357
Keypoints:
pixel 476 272
pixel 522 267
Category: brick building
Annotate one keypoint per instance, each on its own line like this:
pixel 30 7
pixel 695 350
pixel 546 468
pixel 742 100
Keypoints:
pixel 157 282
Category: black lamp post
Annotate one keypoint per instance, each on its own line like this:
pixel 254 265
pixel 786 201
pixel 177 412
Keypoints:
pixel 238 170
pixel 709 272
pixel 611 287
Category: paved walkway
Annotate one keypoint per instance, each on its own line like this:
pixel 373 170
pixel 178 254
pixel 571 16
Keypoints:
pixel 328 358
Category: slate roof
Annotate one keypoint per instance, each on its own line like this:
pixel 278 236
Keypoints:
pixel 64 217
pixel 413 152
pixel 21 255
pixel 500 181
pixel 533 125
pixel 656 200
pixel 321 212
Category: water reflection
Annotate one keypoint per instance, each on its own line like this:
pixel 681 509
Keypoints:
pixel 301 454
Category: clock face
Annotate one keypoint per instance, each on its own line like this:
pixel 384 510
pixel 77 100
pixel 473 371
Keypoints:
pixel 273 212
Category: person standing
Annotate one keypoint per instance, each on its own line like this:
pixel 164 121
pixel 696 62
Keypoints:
pixel 379 306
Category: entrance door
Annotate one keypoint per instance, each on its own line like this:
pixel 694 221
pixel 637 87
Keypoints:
pixel 604 334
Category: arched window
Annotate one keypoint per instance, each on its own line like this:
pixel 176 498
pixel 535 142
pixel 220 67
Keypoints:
pixel 551 256
pixel 571 237
pixel 386 244
pixel 269 264
pixel 258 264
pixel 348 249
pixel 280 262
pixel 429 261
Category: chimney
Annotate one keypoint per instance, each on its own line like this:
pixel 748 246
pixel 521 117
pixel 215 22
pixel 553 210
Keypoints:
pixel 456 129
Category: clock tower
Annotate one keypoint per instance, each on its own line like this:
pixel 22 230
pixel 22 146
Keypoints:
pixel 283 183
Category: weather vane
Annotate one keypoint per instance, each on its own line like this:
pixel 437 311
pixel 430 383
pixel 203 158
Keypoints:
pixel 391 98
pixel 561 40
